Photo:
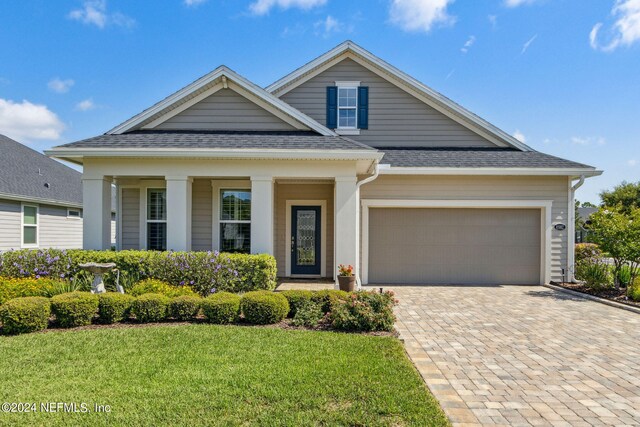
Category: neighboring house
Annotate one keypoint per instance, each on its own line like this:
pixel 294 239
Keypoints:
pixel 584 213
pixel 40 200
pixel 347 160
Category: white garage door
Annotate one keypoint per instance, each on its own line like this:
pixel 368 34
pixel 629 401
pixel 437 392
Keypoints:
pixel 454 246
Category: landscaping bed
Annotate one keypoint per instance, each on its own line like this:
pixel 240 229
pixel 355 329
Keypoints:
pixel 200 374
pixel 610 293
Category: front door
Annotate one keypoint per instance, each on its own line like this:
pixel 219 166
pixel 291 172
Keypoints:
pixel 305 240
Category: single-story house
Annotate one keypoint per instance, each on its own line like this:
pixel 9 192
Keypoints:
pixel 346 160
pixel 40 201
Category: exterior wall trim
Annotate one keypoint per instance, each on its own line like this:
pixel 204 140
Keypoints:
pixel 323 236
pixel 22 244
pixel 545 207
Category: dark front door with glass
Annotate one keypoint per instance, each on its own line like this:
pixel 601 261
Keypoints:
pixel 305 240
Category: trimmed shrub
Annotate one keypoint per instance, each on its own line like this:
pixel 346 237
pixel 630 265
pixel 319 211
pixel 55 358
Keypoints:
pixel 184 307
pixel 633 291
pixel 153 286
pixel 221 308
pixel 308 314
pixel 264 307
pixel 150 307
pixel 17 287
pixel 23 315
pixel 326 298
pixel 364 312
pixel 587 251
pixel 113 307
pixel 203 271
pixel 297 298
pixel 74 308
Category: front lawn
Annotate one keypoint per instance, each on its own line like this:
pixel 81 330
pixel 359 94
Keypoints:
pixel 214 375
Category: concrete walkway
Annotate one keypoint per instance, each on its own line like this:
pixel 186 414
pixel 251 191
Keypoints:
pixel 523 355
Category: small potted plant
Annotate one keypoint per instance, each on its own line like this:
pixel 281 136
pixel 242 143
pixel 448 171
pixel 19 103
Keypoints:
pixel 346 278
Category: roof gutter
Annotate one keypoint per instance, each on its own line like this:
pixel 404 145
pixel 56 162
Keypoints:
pixel 41 200
pixel 390 170
pixel 376 173
pixel 571 244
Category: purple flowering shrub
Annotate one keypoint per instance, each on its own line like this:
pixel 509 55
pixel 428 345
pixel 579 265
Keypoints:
pixel 205 272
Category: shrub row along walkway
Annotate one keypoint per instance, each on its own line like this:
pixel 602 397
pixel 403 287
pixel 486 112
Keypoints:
pixel 523 355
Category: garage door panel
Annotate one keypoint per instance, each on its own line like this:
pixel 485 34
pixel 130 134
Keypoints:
pixel 434 245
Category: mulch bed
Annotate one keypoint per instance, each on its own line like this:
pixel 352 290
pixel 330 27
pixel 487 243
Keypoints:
pixel 613 294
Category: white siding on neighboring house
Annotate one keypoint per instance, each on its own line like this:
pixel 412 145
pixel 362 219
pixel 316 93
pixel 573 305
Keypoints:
pixel 396 118
pixel 484 188
pixel 225 110
pixel 10 223
pixel 130 218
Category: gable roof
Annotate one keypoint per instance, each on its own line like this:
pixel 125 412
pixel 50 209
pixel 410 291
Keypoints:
pixel 24 174
pixel 349 49
pixel 208 84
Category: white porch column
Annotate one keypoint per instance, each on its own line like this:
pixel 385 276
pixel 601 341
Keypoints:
pixel 262 215
pixel 178 213
pixel 96 212
pixel 346 223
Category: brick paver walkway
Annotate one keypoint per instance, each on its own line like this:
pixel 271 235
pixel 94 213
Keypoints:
pixel 523 355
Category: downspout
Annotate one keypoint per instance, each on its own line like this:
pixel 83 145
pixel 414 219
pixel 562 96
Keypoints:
pixel 359 184
pixel 571 241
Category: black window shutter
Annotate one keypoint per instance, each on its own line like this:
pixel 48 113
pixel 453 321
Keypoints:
pixel 332 107
pixel 363 107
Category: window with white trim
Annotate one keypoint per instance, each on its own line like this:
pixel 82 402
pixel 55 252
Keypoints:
pixel 29 226
pixel 235 221
pixel 347 107
pixel 157 219
pixel 74 213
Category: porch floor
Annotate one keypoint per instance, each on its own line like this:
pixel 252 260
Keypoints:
pixel 287 283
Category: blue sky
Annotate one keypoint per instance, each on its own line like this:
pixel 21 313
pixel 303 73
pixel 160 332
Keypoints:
pixel 564 75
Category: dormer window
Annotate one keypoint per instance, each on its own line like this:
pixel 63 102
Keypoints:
pixel 347 107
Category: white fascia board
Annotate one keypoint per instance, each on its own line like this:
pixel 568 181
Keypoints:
pixel 270 154
pixel 436 97
pixel 39 200
pixel 390 170
pixel 209 78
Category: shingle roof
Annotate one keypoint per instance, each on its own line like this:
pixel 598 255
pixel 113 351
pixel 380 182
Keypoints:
pixel 469 157
pixel 25 172
pixel 294 140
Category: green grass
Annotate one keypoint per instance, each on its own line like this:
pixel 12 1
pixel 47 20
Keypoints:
pixel 214 375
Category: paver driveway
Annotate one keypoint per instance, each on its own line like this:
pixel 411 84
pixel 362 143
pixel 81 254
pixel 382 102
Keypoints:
pixel 523 355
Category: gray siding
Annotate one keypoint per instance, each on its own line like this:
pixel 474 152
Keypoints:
pixel 130 211
pixel 58 231
pixel 225 110
pixel 10 212
pixel 487 188
pixel 201 215
pixel 284 192
pixel 395 117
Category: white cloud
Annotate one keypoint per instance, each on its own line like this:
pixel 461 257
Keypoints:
pixel 194 3
pixel 420 15
pixel 26 121
pixel 526 45
pixel 516 3
pixel 520 136
pixel 467 45
pixel 589 140
pixel 94 12
pixel 262 7
pixel 328 26
pixel 632 162
pixel 60 86
pixel 85 105
pixel 625 30
pixel 493 20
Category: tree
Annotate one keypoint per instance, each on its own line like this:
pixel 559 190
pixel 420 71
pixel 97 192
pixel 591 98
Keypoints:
pixel 625 196
pixel 617 232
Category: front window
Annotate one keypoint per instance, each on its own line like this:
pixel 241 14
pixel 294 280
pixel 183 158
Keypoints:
pixel 29 226
pixel 347 105
pixel 157 219
pixel 235 221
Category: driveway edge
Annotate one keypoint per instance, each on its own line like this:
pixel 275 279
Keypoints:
pixel 594 298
